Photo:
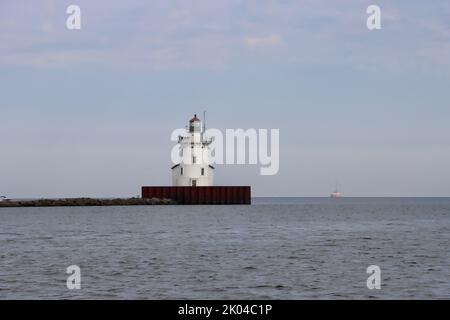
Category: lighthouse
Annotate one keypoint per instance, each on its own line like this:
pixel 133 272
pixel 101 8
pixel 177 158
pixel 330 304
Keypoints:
pixel 194 169
pixel 192 176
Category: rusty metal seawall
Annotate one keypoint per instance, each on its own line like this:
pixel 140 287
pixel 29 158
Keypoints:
pixel 201 195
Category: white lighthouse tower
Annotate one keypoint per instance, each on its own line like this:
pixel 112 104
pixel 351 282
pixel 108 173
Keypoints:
pixel 194 169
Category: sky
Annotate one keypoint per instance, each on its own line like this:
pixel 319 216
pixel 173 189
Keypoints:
pixel 90 112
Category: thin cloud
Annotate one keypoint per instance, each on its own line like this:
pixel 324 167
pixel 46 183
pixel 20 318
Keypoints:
pixel 272 40
pixel 216 34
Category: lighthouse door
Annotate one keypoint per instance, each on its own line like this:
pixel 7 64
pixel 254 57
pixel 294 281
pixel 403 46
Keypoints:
pixel 194 182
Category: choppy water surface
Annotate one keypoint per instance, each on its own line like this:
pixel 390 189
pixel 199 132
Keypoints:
pixel 294 248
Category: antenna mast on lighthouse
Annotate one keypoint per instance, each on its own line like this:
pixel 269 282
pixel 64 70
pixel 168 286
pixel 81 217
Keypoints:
pixel 204 121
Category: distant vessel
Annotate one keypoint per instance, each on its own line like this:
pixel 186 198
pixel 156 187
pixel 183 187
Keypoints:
pixel 336 193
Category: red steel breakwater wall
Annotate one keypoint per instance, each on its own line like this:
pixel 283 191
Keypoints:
pixel 200 195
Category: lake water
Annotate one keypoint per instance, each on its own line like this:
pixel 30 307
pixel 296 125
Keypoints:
pixel 277 248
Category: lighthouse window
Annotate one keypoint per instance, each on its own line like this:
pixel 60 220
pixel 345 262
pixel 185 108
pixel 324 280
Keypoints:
pixel 181 171
pixel 194 159
pixel 203 171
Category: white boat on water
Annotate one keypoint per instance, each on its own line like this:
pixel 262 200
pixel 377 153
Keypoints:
pixel 336 193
